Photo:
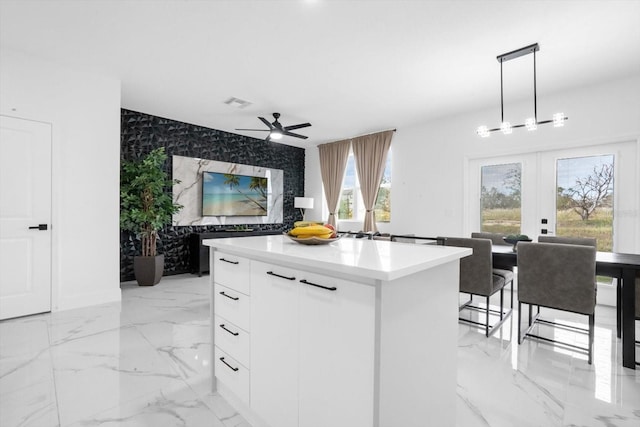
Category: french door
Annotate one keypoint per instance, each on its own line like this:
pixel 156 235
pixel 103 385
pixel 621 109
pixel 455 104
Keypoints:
pixel 586 191
pixel 25 217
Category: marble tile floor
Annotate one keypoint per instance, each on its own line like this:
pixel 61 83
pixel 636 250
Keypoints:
pixel 146 362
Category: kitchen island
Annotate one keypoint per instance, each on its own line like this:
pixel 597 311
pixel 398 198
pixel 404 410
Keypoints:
pixel 354 333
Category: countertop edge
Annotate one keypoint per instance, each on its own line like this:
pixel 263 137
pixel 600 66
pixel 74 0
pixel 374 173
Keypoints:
pixel 453 253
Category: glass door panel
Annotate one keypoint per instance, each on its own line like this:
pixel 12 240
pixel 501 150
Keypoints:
pixel 584 198
pixel 500 207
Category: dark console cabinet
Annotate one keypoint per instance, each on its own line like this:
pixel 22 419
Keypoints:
pixel 199 254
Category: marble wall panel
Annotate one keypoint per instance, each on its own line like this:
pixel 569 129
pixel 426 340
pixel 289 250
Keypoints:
pixel 188 192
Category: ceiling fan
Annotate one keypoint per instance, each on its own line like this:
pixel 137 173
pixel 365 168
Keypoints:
pixel 277 131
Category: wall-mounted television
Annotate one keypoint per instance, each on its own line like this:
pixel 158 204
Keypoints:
pixel 226 194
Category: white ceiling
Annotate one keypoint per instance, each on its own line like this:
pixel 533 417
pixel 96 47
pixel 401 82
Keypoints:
pixel 348 67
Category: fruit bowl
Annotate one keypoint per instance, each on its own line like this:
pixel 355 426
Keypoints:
pixel 313 240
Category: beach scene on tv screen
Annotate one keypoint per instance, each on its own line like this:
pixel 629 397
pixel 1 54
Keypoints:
pixel 233 195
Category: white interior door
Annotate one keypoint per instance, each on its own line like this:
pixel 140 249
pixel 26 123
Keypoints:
pixel 25 217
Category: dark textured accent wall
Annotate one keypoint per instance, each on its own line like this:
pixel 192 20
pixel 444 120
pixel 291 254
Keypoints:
pixel 140 133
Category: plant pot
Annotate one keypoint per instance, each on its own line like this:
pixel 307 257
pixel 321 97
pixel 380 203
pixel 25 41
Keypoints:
pixel 148 269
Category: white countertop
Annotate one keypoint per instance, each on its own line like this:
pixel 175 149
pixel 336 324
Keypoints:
pixel 373 259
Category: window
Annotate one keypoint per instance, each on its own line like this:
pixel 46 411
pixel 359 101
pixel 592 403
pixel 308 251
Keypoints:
pixel 351 205
pixel 500 198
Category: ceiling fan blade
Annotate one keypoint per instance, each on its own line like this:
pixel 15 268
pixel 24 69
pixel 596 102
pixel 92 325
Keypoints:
pixel 266 122
pixel 300 126
pixel 297 135
pixel 257 130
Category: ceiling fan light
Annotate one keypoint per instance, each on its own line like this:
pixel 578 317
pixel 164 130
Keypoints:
pixel 275 134
pixel 506 128
pixel 483 132
pixel 531 124
pixel 558 120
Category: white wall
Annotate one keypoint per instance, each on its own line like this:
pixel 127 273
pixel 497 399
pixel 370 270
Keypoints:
pixel 428 182
pixel 84 110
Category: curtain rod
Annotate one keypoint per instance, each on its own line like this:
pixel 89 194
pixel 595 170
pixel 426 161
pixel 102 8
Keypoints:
pixel 358 136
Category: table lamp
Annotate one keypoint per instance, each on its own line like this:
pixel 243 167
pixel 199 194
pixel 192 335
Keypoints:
pixel 303 203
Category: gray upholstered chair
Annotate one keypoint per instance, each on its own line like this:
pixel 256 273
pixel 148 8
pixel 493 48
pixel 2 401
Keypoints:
pixel 585 241
pixel 478 277
pixel 496 238
pixel 557 276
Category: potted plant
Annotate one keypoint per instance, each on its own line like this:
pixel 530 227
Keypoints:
pixel 145 207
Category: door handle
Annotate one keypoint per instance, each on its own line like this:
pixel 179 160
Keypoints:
pixel 41 227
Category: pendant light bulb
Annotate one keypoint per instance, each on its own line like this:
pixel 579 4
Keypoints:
pixel 506 128
pixel 483 132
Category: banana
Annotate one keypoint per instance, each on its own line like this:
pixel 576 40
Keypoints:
pixel 311 231
pixel 306 223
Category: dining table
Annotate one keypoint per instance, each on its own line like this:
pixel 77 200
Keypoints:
pixel 621 266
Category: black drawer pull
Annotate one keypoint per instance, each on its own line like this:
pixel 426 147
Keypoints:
pixel 229 296
pixel 230 262
pixel 271 273
pixel 333 288
pixel 235 334
pixel 230 367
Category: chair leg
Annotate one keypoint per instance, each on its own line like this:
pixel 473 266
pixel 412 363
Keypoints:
pixel 512 295
pixel 519 319
pixel 591 336
pixel 618 307
pixel 501 303
pixel 486 327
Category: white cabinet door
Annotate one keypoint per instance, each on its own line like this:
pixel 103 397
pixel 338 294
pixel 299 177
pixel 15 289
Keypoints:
pixel 336 352
pixel 274 344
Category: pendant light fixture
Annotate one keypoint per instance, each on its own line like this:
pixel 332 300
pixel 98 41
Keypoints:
pixel 530 123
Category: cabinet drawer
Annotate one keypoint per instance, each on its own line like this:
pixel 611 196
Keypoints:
pixel 232 306
pixel 232 271
pixel 232 374
pixel 232 339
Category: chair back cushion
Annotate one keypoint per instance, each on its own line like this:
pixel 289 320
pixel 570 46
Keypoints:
pixel 557 275
pixel 476 269
pixel 585 241
pixel 496 238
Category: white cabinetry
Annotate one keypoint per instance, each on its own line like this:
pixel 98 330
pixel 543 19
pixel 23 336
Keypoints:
pixel 312 356
pixel 356 333
pixel 231 323
pixel 274 345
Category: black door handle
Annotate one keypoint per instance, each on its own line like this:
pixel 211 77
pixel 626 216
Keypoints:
pixel 229 296
pixel 230 367
pixel 39 227
pixel 332 288
pixel 235 334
